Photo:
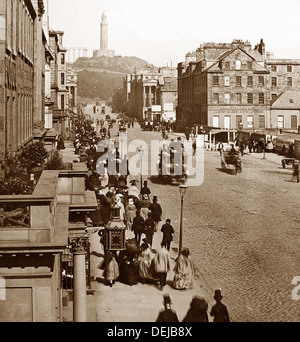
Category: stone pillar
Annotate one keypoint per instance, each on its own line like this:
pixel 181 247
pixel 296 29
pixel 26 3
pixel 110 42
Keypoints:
pixel 144 97
pixel 150 96
pixel 79 280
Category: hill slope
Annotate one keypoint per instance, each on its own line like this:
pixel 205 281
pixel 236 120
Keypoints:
pixel 98 77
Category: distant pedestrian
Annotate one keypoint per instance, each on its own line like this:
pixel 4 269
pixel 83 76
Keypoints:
pixel 130 213
pixel 187 133
pixel 162 265
pixel 149 228
pixel 296 171
pixel 146 269
pixel 145 189
pixel 197 311
pixel 168 314
pixel 194 147
pixel 111 268
pixel 219 310
pixel 120 204
pixel 144 206
pixel 156 211
pixel 61 144
pixel 168 231
pixel 133 190
pixel 138 227
pixel 184 271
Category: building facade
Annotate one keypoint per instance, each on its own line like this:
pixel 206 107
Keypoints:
pixel 26 107
pixel 17 27
pixel 59 92
pixel 77 52
pixel 229 85
pixel 148 90
pixel 167 98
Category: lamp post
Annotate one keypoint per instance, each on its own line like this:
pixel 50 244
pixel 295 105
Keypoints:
pixel 182 189
pixel 141 152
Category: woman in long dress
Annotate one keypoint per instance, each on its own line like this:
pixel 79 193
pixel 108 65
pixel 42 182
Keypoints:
pixel 130 213
pixel 146 268
pixel 145 203
pixel 111 269
pixel 184 271
pixel 121 206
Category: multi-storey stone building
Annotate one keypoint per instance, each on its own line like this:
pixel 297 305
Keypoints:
pixel 225 85
pixel 17 25
pixel 59 92
pixel 24 74
pixel 147 90
pixel 167 98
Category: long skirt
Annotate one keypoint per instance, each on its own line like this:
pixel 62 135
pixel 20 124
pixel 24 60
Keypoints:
pixel 111 271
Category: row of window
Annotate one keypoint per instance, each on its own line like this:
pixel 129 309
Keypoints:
pixel 289 81
pixel 238 65
pixel 237 98
pixel 238 81
pixel 227 121
pixel 288 68
pixel 250 121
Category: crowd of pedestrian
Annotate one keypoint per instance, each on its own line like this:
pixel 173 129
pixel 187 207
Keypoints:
pixel 141 213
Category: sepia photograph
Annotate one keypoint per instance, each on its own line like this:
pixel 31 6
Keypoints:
pixel 149 163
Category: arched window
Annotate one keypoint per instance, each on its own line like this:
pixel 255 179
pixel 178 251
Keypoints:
pixel 238 64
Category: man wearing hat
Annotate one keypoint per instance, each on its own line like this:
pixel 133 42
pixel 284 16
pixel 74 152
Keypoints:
pixel 168 231
pixel 219 310
pixel 156 211
pixel 149 226
pixel 145 190
pixel 168 314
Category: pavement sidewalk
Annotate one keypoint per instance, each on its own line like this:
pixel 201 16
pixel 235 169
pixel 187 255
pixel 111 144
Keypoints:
pixel 122 302
pixel 140 302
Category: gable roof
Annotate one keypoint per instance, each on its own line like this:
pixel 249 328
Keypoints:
pixel 289 99
pixel 256 67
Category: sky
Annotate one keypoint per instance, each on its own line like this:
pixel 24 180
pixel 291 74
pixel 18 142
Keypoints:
pixel 163 31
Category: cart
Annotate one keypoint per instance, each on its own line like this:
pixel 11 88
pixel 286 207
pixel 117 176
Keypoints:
pixel 229 159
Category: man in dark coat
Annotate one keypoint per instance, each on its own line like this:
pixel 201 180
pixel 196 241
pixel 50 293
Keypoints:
pixel 138 227
pixel 145 190
pixel 156 211
pixel 197 311
pixel 168 314
pixel 168 232
pixel 219 310
pixel 149 226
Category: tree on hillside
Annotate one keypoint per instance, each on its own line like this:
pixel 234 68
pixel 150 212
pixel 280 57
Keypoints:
pixel 94 85
pixel 119 101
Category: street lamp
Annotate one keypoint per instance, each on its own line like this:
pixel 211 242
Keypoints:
pixel 182 189
pixel 141 152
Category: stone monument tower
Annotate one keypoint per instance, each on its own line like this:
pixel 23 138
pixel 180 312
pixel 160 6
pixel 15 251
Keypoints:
pixel 104 40
pixel 104 34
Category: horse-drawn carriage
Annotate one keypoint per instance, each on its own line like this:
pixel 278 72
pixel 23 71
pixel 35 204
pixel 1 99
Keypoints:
pixel 172 164
pixel 231 158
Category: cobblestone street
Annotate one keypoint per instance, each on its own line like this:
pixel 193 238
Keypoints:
pixel 243 231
